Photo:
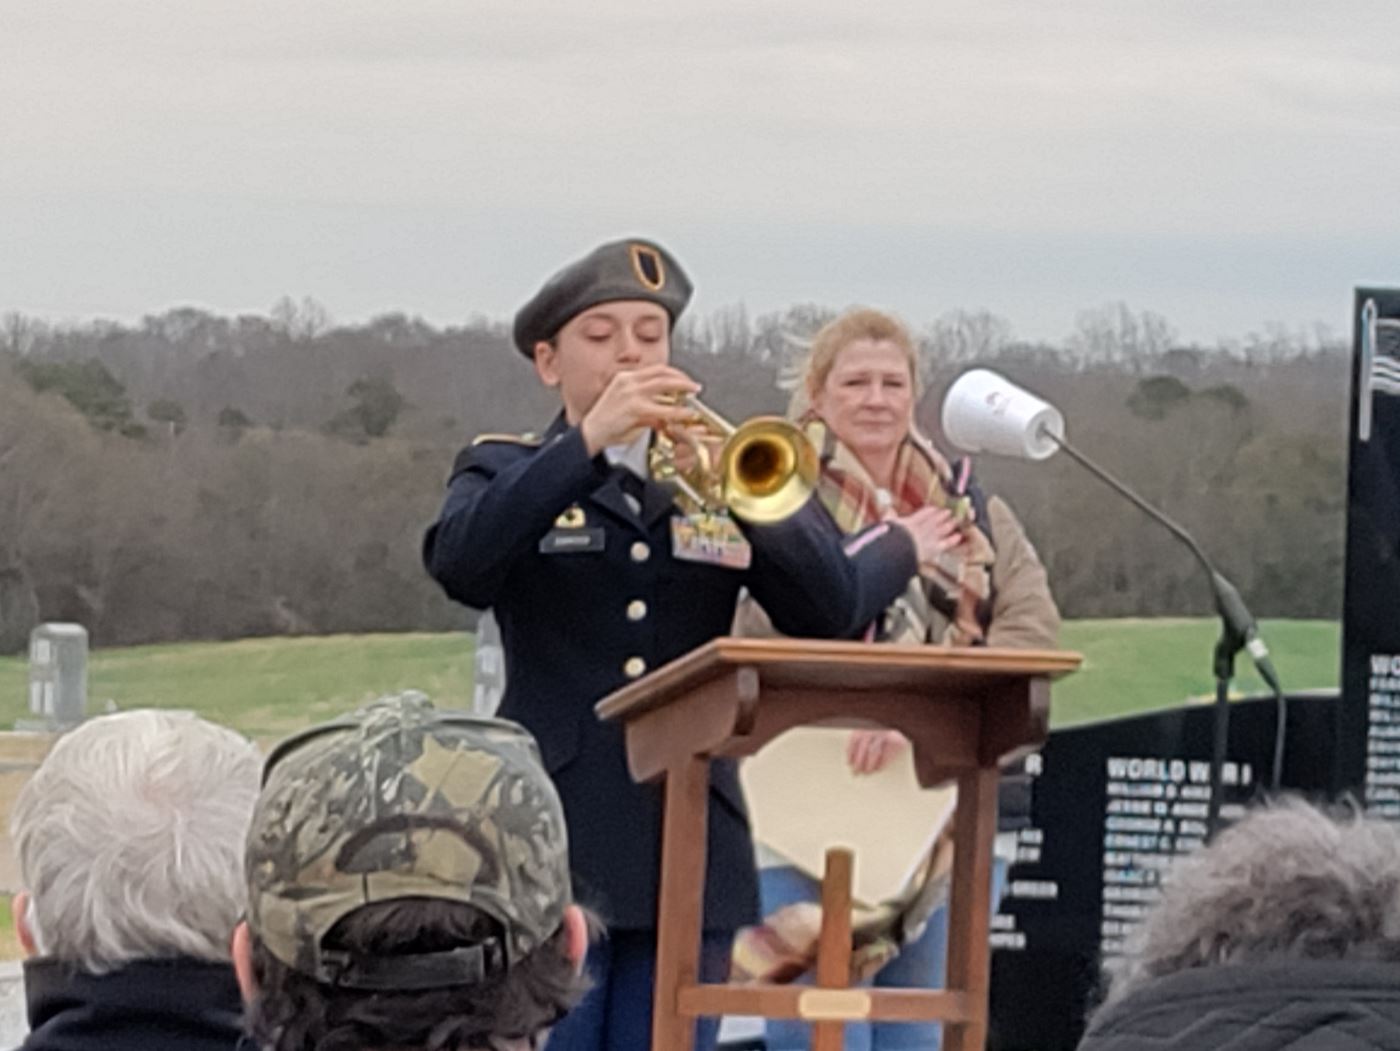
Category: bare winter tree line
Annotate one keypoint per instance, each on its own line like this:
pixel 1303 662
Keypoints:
pixel 198 476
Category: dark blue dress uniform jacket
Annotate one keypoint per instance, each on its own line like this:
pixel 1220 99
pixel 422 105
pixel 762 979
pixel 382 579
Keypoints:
pixel 578 624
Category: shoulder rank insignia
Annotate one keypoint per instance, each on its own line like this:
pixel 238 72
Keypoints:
pixel 572 518
pixel 528 438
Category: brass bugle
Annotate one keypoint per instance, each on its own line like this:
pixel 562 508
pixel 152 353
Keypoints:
pixel 766 468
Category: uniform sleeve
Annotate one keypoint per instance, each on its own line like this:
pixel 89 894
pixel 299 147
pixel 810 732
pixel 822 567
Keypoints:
pixel 810 586
pixel 1024 615
pixel 501 500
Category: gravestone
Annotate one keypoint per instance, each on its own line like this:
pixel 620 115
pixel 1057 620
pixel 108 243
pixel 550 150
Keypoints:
pixel 489 671
pixel 57 677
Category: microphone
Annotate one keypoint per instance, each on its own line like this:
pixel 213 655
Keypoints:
pixel 984 412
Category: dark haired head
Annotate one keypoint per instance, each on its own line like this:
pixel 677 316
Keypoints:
pixel 294 1012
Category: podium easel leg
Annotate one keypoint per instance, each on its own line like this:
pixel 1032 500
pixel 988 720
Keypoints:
pixel 834 945
pixel 681 902
pixel 970 904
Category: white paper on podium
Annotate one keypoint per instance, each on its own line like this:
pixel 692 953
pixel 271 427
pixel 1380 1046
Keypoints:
pixel 803 798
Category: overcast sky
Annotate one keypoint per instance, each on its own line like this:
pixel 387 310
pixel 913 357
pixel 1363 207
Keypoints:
pixel 1227 164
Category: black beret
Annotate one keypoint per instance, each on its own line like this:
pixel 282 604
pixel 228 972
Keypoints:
pixel 632 269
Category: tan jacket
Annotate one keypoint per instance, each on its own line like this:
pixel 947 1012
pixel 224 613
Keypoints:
pixel 1024 615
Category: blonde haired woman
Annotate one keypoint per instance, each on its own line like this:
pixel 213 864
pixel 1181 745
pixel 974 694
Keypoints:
pixel 984 584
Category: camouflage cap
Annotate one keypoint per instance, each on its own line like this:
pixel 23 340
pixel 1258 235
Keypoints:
pixel 400 800
pixel 631 269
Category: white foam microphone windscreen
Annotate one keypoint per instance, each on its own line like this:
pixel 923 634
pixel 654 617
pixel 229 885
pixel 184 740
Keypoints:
pixel 985 412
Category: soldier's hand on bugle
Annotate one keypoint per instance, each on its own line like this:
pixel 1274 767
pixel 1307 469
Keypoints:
pixel 634 400
pixel 692 441
pixel 935 530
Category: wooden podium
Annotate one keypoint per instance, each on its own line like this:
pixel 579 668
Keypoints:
pixel 965 711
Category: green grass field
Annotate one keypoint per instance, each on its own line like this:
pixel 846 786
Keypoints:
pixel 264 687
pixel 269 687
pixel 1135 665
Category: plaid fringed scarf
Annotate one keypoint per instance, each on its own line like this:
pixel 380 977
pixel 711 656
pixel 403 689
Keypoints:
pixel 956 589
pixel 784 946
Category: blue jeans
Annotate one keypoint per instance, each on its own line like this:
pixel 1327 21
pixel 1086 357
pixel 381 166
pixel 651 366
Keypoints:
pixel 921 965
pixel 616 1013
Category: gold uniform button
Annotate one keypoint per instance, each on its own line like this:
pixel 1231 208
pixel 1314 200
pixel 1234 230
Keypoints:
pixel 636 609
pixel 634 667
pixel 640 551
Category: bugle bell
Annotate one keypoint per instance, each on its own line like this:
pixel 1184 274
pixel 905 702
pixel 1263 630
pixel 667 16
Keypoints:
pixel 765 470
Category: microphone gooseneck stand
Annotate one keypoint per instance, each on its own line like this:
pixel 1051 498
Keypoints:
pixel 1238 631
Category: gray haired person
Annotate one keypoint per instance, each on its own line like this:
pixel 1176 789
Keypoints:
pixel 130 843
pixel 1282 935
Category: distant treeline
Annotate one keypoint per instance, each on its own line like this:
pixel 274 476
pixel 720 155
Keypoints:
pixel 198 476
